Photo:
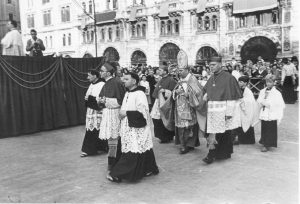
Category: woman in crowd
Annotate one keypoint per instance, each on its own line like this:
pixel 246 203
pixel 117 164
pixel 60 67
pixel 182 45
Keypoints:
pixel 288 80
pixel 145 84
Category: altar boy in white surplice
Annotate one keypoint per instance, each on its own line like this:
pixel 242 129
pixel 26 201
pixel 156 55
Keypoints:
pixel 137 158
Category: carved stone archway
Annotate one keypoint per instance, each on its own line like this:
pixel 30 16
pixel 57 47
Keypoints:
pixel 138 57
pixel 168 53
pixel 258 46
pixel 111 54
pixel 204 54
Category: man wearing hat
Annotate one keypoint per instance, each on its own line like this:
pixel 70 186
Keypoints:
pixel 223 96
pixel 111 97
pixel 189 107
pixel 165 86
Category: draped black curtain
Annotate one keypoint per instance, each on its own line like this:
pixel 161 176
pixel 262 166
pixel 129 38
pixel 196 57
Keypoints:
pixel 42 93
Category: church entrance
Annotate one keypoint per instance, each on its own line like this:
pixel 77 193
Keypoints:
pixel 258 46
pixel 111 54
pixel 168 53
pixel 138 57
pixel 204 54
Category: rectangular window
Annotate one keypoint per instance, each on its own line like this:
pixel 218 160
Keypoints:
pixel 46 1
pixel 65 14
pixel 107 4
pixel 11 16
pixel 257 19
pixel 68 13
pixel 30 3
pixel 30 21
pixel 115 4
pixel 47 17
pixel 62 12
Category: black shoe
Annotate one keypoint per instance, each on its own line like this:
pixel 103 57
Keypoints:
pixel 210 156
pixel 164 141
pixel 184 150
pixel 155 172
pixel 236 142
pixel 113 179
pixel 208 160
pixel 191 148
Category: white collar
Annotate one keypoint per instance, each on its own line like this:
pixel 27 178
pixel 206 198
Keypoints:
pixel 108 78
pixel 186 78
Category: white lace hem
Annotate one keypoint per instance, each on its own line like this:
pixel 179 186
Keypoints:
pixel 93 119
pixel 110 124
pixel 135 140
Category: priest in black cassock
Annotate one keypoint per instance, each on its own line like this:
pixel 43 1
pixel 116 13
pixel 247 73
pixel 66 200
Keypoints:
pixel 91 143
pixel 137 159
pixel 223 97
pixel 110 98
pixel 164 86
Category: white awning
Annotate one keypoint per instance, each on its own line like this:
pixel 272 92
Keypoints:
pixel 132 14
pixel 201 6
pixel 246 6
pixel 164 10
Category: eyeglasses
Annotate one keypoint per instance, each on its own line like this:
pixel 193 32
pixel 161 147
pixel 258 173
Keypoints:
pixel 102 71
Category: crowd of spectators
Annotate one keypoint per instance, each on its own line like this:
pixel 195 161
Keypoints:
pixel 258 70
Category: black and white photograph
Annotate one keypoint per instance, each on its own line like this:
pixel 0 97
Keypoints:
pixel 149 101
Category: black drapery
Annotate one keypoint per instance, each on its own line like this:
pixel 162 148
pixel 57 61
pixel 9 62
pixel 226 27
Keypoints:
pixel 42 93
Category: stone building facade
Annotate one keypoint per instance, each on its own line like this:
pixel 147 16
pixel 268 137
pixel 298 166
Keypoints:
pixel 56 23
pixel 150 32
pixel 9 9
pixel 153 31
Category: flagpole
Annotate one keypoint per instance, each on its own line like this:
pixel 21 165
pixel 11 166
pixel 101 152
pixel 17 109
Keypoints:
pixel 95 29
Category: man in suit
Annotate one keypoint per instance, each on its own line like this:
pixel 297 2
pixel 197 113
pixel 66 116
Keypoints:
pixel 35 46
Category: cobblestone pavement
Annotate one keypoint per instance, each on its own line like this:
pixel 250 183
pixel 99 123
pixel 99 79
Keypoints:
pixel 46 167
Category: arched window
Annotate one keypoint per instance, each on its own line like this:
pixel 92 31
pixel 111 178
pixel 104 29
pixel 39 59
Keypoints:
pixel 69 39
pixel 83 37
pixel 274 17
pixel 177 26
pixel 51 42
pixel 102 34
pixel 258 19
pixel 64 40
pixel 214 23
pixel 109 34
pixel 84 6
pixel 144 30
pixel 242 21
pixel 115 4
pixel 88 36
pixel 46 41
pixel 118 32
pixel 90 7
pixel 138 31
pixel 67 12
pixel 206 23
pixel 132 31
pixel 162 27
pixel 200 23
pixel 169 27
pixel 92 36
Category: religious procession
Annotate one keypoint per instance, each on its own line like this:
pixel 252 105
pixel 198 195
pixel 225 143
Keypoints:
pixel 173 111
